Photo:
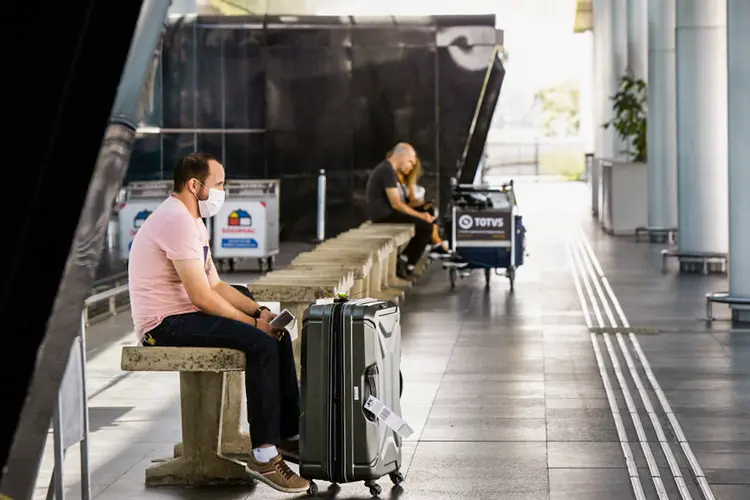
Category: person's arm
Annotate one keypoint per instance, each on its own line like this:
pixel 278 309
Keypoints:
pixel 203 296
pixel 181 242
pixel 395 200
pixel 235 297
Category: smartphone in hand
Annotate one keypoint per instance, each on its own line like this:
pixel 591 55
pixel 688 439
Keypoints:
pixel 283 320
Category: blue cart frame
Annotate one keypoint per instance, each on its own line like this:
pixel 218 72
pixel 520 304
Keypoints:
pixel 504 253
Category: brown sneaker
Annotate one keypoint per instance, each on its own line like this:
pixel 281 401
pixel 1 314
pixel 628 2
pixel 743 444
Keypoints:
pixel 277 475
pixel 289 449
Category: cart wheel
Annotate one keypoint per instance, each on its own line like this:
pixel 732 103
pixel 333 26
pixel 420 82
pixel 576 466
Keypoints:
pixel 487 276
pixel 262 265
pixel 453 276
pixel 512 277
pixel 231 265
pixel 396 477
pixel 269 264
pixel 312 490
pixel 374 488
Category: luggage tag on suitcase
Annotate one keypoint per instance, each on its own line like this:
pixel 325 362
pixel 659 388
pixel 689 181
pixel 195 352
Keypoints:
pixel 389 418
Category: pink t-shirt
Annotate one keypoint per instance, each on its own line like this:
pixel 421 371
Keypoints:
pixel 169 233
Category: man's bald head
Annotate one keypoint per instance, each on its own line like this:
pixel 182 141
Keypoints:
pixel 403 157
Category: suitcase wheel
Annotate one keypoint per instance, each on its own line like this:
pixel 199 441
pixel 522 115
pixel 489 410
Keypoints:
pixel 396 477
pixel 313 489
pixel 374 488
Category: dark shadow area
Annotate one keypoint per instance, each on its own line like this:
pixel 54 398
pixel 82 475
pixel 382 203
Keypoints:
pixel 105 416
pixel 57 134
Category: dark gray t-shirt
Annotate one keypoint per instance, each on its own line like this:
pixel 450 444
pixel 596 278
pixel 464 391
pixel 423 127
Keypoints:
pixel 381 178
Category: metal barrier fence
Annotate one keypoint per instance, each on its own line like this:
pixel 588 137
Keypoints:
pixel 541 157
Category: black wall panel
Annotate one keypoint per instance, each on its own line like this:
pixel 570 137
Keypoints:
pixel 279 99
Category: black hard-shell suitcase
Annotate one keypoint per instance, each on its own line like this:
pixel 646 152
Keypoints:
pixel 351 349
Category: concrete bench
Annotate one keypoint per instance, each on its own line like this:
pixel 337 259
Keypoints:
pixel 381 247
pixel 358 264
pixel 202 460
pixel 402 233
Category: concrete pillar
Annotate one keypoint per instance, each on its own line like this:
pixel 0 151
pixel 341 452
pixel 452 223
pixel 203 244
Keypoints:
pixel 619 61
pixel 586 101
pixel 638 38
pixel 701 54
pixel 602 83
pixel 603 79
pixel 662 115
pixel 738 44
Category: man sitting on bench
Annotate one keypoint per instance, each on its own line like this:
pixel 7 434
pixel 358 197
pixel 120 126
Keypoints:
pixel 178 300
pixel 386 205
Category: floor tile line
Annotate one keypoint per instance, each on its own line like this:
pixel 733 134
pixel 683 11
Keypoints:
pixel 635 480
pixel 695 467
pixel 590 276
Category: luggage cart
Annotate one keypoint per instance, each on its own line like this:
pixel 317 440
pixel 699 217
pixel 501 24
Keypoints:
pixel 486 231
pixel 139 200
pixel 247 226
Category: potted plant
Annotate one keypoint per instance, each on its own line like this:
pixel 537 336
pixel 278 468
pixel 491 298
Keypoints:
pixel 622 184
pixel 630 112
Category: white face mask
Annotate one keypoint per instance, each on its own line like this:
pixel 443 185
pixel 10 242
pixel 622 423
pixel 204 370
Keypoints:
pixel 211 206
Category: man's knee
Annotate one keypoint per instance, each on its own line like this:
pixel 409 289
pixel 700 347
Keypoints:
pixel 259 346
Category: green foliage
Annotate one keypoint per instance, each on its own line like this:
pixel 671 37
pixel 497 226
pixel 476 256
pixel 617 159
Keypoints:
pixel 630 116
pixel 560 108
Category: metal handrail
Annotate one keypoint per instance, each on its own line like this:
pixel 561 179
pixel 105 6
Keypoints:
pixel 100 297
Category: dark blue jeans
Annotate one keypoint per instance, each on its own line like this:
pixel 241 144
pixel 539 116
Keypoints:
pixel 270 377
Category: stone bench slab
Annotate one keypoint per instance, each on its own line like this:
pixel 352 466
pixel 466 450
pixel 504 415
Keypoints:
pixel 291 292
pixel 359 271
pixel 348 252
pixel 182 359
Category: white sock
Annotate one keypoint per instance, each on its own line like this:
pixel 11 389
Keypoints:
pixel 293 438
pixel 264 455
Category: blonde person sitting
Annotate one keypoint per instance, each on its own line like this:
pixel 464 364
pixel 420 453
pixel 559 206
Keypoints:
pixel 414 195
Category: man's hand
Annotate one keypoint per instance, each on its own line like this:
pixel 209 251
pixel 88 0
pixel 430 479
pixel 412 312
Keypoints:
pixel 266 328
pixel 267 316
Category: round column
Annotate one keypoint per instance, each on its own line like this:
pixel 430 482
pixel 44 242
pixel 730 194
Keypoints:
pixel 638 38
pixel 619 61
pixel 662 115
pixel 603 83
pixel 738 45
pixel 701 54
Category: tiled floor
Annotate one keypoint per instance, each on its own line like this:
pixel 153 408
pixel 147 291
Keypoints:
pixel 505 391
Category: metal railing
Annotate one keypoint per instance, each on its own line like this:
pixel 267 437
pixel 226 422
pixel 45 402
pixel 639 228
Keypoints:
pixel 109 295
pixel 561 157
